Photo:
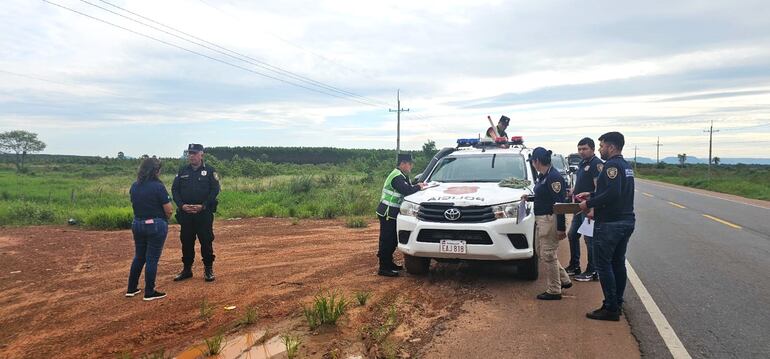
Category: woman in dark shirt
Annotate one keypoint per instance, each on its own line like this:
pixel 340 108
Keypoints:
pixel 152 208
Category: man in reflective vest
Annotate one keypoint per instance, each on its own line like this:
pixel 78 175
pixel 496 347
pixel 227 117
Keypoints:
pixel 394 189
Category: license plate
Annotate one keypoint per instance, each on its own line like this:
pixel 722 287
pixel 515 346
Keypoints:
pixel 455 247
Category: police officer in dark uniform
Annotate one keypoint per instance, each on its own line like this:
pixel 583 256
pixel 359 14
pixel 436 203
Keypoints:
pixel 588 171
pixel 195 191
pixel 550 188
pixel 395 188
pixel 613 205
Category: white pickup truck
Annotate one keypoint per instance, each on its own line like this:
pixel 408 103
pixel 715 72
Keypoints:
pixel 467 215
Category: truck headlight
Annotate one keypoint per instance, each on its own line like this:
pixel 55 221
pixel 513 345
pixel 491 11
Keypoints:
pixel 506 210
pixel 409 209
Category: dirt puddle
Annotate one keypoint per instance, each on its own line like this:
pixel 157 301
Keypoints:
pixel 252 345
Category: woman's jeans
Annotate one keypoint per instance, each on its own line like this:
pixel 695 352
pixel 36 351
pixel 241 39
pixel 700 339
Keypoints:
pixel 148 240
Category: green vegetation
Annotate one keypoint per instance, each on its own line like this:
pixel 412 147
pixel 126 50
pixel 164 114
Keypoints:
pixel 750 181
pixel 291 342
pixel 215 344
pixel 206 310
pixel 327 308
pixel 356 222
pixel 93 191
pixel 250 317
pixel 362 297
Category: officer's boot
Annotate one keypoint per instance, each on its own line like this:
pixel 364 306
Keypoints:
pixel 184 274
pixel 208 273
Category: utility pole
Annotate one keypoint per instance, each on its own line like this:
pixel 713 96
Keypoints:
pixel 658 146
pixel 398 111
pixel 711 131
pixel 635 149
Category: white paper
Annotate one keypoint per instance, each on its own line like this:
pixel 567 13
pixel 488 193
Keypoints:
pixel 522 212
pixel 587 228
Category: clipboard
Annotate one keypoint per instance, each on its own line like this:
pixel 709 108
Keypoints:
pixel 566 208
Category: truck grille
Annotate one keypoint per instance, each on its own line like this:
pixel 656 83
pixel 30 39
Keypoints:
pixel 470 237
pixel 470 214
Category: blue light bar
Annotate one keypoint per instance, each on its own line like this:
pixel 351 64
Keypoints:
pixel 467 141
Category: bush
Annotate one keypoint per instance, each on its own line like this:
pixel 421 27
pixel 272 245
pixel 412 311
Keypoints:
pixel 23 212
pixel 356 222
pixel 109 218
pixel 301 184
pixel 326 309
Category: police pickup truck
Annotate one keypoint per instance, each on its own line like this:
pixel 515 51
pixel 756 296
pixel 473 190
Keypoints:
pixel 466 213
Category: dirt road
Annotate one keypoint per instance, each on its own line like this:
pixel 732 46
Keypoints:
pixel 61 295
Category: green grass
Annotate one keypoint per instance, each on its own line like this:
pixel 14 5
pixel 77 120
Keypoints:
pixel 291 342
pixel 741 180
pixel 215 344
pixel 356 222
pixel 327 308
pixel 362 297
pixel 205 310
pixel 97 200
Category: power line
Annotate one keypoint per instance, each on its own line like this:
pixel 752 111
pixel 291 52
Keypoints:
pixel 206 56
pixel 322 57
pixel 711 131
pixel 240 56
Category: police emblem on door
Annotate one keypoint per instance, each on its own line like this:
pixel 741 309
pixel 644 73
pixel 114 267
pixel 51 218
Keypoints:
pixel 452 214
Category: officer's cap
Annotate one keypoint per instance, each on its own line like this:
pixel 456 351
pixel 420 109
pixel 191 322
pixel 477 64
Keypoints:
pixel 405 157
pixel 505 120
pixel 542 155
pixel 194 147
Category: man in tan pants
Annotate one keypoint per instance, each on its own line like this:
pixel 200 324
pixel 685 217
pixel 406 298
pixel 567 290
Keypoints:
pixel 551 229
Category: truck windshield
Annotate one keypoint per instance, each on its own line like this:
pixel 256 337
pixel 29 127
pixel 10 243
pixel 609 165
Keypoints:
pixel 481 168
pixel 558 163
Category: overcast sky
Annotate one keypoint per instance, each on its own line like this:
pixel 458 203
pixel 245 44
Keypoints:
pixel 561 70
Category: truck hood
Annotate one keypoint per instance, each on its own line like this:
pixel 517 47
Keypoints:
pixel 468 194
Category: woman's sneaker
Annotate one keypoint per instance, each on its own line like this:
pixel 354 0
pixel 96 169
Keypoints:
pixel 132 293
pixel 154 295
pixel 587 277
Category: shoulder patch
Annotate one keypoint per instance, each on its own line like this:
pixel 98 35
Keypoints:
pixel 216 176
pixel 600 166
pixel 612 172
pixel 556 186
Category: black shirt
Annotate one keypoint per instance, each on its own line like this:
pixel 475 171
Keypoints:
pixel 148 198
pixel 614 197
pixel 550 188
pixel 196 186
pixel 401 185
pixel 588 171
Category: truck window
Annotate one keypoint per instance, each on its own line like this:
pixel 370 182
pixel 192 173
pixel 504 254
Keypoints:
pixel 481 168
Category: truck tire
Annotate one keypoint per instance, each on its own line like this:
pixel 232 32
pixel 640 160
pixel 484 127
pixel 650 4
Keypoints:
pixel 416 265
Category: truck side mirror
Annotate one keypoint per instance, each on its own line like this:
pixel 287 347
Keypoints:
pixel 417 178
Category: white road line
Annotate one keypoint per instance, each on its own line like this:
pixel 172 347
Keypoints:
pixel 672 341
pixel 702 194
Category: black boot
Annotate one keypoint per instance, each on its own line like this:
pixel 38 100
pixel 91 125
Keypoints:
pixel 208 273
pixel 184 274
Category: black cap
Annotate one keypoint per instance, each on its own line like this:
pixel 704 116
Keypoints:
pixel 504 119
pixel 541 154
pixel 405 157
pixel 195 147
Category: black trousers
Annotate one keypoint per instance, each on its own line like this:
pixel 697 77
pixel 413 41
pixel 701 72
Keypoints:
pixel 387 241
pixel 198 225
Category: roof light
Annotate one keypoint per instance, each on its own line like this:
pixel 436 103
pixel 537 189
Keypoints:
pixel 461 142
pixel 517 140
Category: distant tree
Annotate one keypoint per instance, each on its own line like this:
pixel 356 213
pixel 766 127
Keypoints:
pixel 121 155
pixel 716 160
pixel 21 143
pixel 682 159
pixel 429 148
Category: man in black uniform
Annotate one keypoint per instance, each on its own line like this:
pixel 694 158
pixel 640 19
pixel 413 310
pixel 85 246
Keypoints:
pixel 613 204
pixel 195 191
pixel 588 171
pixel 395 188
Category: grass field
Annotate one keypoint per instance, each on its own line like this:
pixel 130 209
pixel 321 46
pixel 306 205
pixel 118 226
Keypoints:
pixel 750 181
pixel 98 198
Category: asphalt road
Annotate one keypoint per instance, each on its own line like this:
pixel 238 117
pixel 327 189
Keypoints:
pixel 706 263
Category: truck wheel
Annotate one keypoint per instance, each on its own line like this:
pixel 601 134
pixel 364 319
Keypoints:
pixel 416 265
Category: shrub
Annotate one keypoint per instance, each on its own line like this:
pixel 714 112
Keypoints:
pixel 109 218
pixel 215 344
pixel 362 297
pixel 356 222
pixel 326 309
pixel 291 342
pixel 301 184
